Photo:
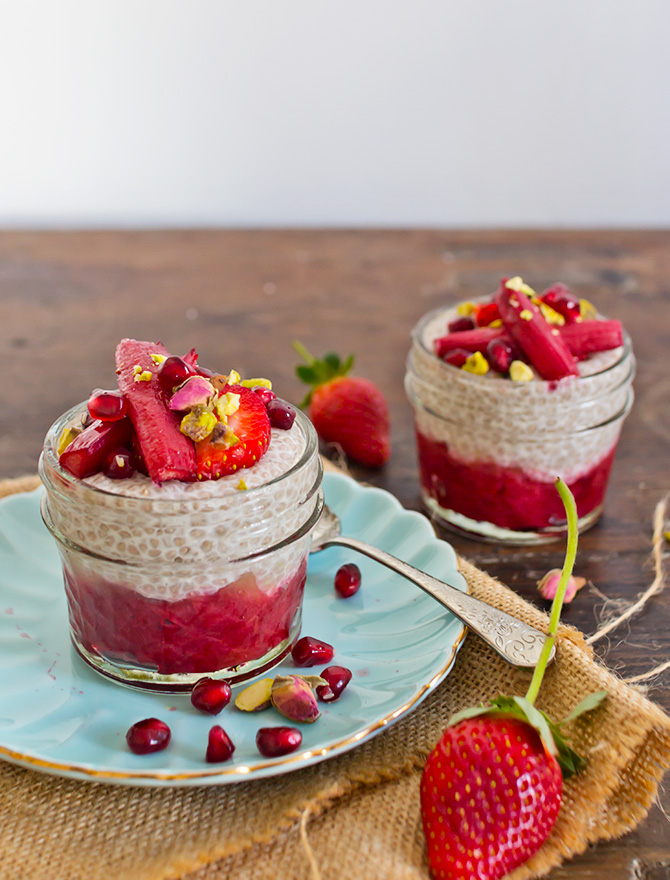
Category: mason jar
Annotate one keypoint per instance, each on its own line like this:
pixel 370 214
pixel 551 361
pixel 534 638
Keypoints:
pixel 489 449
pixel 167 584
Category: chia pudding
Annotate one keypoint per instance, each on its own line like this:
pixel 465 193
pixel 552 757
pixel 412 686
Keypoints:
pixel 490 446
pixel 171 580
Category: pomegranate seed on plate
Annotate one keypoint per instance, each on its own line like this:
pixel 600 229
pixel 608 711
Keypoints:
pixel 149 735
pixel 219 746
pixel 309 651
pixel 211 695
pixel 272 742
pixel 338 677
pixel 347 580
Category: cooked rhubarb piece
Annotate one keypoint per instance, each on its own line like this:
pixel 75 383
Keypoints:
pixel 468 340
pixel 167 453
pixel 588 337
pixel 88 452
pixel 547 352
pixel 240 441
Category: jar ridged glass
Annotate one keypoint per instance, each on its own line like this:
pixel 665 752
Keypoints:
pixel 490 449
pixel 166 584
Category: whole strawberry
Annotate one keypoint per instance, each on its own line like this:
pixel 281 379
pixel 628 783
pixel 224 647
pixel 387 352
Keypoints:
pixel 346 410
pixel 491 789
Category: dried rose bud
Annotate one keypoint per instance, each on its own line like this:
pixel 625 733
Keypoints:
pixel 549 583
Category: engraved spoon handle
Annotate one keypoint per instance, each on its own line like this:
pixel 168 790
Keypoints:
pixel 515 641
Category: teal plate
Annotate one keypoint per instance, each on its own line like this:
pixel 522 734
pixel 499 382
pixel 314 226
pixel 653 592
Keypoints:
pixel 59 716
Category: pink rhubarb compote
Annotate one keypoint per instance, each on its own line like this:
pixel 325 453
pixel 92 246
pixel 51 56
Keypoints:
pixel 542 393
pixel 183 523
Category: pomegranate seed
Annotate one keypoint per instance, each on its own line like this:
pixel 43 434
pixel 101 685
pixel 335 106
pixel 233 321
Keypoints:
pixel 219 746
pixel 120 465
pixel 460 324
pixel 456 356
pixel 559 298
pixel 173 371
pixel 487 313
pixel 149 735
pixel 500 355
pixel 280 413
pixel 264 393
pixel 272 742
pixel 211 695
pixel 308 651
pixel 338 677
pixel 347 580
pixel 108 406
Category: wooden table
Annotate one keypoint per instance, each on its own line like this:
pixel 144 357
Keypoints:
pixel 242 296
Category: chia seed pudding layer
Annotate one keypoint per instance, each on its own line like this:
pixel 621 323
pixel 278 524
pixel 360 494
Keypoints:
pixel 545 428
pixel 178 539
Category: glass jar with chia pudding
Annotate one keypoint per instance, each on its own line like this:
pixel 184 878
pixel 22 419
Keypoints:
pixel 508 394
pixel 171 578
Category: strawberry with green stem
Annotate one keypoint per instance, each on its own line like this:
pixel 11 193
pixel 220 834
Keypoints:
pixel 492 787
pixel 344 409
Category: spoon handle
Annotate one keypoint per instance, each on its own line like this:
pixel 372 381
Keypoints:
pixel 515 641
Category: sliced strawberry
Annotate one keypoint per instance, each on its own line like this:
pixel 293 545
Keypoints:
pixel 587 337
pixel 251 426
pixel 546 351
pixel 89 451
pixel 167 453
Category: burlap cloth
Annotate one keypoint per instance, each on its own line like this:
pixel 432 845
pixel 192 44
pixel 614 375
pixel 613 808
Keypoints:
pixel 363 807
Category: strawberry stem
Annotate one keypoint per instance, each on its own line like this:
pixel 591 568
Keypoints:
pixel 302 351
pixel 570 554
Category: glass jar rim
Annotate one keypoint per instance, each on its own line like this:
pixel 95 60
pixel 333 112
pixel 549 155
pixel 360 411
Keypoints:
pixel 418 340
pixel 50 457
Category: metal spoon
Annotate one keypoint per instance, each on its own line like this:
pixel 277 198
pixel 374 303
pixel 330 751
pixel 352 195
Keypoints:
pixel 515 641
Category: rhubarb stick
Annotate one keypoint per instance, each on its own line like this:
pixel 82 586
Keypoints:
pixel 586 337
pixel 546 350
pixel 168 454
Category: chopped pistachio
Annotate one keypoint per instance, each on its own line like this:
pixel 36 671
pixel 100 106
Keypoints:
pixel 476 364
pixel 520 372
pixel 158 359
pixel 496 324
pixel 137 369
pixel 222 435
pixel 242 486
pixel 227 404
pixel 68 435
pixel 518 284
pixel 466 309
pixel 198 424
pixel 234 377
pixel 252 383
pixel 551 316
pixel 143 376
pixel 526 315
pixel 587 310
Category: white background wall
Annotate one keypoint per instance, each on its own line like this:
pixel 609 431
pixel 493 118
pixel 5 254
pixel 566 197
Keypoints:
pixel 346 112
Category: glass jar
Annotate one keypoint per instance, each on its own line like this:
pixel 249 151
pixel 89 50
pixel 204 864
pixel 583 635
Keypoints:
pixel 489 449
pixel 167 584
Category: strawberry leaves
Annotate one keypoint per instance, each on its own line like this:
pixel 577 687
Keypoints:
pixel 318 372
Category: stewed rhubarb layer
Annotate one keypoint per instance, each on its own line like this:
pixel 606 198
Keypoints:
pixel 202 633
pixel 507 497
